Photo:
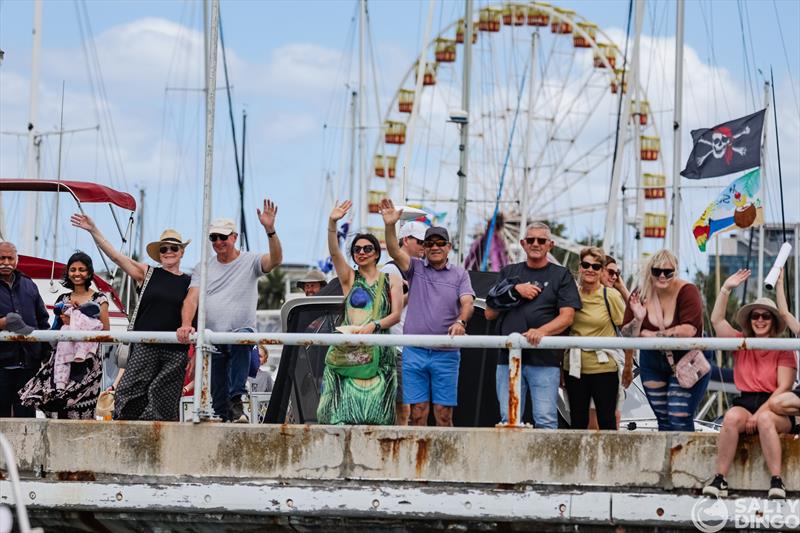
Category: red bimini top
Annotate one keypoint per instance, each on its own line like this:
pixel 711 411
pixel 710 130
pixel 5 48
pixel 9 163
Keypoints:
pixel 82 191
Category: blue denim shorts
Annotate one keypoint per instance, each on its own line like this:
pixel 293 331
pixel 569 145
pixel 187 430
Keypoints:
pixel 430 374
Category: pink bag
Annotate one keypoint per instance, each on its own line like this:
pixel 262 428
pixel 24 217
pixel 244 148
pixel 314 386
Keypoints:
pixel 692 366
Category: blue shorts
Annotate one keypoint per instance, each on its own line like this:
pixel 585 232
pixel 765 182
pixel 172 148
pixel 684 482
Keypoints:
pixel 429 373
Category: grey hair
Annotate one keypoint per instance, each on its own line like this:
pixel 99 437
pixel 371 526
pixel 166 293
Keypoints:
pixel 11 244
pixel 539 225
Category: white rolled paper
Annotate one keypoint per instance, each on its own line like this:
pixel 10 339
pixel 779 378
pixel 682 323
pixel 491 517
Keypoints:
pixel 774 272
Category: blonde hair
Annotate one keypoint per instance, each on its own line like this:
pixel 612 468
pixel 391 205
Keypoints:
pixel 594 252
pixel 658 258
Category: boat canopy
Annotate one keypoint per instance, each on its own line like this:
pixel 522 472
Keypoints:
pixel 82 191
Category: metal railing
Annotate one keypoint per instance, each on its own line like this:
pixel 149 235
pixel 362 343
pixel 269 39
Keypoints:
pixel 514 343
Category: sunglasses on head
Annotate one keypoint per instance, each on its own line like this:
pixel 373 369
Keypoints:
pixel 214 237
pixel 538 240
pixel 366 249
pixel 170 248
pixel 431 244
pixel 613 273
pixel 668 272
pixel 586 265
pixel 760 315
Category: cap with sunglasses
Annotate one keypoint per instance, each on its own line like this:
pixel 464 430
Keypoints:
pixel 412 228
pixel 437 231
pixel 222 226
pixel 169 238
pixel 743 316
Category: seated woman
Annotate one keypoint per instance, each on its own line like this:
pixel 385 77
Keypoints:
pixel 759 375
pixel 359 385
pixel 666 306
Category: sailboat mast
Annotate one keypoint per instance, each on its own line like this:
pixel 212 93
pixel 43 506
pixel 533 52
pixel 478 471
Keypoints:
pixel 763 171
pixel 463 146
pixel 637 133
pixel 363 189
pixel 28 245
pixel 523 219
pixel 677 119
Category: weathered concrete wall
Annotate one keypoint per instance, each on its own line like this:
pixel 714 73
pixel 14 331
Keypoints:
pixel 475 456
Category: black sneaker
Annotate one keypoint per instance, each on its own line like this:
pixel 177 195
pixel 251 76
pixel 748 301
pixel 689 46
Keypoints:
pixel 237 412
pixel 717 488
pixel 776 489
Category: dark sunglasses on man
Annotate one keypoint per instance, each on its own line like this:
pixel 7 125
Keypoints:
pixel 432 243
pixel 539 240
pixel 214 237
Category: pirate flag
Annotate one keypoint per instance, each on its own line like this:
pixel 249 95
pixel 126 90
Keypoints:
pixel 727 148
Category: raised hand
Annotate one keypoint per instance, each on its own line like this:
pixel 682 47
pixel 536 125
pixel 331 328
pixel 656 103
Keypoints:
pixel 390 214
pixel 267 215
pixel 737 278
pixel 82 221
pixel 638 306
pixel 340 210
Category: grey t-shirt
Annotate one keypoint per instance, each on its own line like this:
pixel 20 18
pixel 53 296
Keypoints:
pixel 232 292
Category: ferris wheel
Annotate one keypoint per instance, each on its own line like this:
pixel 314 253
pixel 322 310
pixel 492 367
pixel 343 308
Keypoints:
pixel 546 87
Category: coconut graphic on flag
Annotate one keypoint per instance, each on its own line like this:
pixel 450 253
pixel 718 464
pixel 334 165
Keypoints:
pixel 745 213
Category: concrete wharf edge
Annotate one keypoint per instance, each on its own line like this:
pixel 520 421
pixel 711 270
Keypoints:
pixel 111 476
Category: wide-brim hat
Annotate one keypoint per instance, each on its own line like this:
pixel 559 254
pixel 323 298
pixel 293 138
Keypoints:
pixel 312 276
pixel 105 405
pixel 168 236
pixel 743 316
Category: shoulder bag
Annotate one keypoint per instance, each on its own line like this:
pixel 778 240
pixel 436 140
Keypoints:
pixel 124 348
pixel 692 366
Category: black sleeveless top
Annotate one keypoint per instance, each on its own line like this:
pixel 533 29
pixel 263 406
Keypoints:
pixel 160 307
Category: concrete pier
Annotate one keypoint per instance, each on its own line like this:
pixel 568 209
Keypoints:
pixel 258 474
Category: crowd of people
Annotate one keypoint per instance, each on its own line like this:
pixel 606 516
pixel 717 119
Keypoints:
pixel 419 291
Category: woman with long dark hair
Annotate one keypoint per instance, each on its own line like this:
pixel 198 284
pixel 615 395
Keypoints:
pixel 67 385
pixel 360 384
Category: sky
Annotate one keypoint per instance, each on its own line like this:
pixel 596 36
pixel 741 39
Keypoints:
pixel 289 63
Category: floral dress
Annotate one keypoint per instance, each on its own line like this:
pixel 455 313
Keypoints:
pixel 347 400
pixel 78 400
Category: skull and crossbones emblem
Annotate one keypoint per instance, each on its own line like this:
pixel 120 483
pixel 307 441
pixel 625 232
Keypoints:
pixel 721 144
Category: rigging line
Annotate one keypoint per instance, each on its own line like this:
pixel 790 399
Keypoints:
pixel 244 244
pixel 786 56
pixel 778 149
pixel 622 85
pixel 745 59
pixel 487 249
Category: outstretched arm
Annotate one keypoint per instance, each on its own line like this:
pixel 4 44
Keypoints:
pixel 343 270
pixel 783 306
pixel 267 219
pixel 134 269
pixel 719 322
pixel 390 218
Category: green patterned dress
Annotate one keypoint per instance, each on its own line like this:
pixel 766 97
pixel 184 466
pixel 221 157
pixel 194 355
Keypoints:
pixel 346 400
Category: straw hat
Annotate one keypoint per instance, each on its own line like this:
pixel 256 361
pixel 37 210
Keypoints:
pixel 168 236
pixel 105 406
pixel 312 276
pixel 743 316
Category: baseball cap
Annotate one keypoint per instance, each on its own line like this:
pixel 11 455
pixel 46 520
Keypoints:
pixel 414 229
pixel 223 226
pixel 437 231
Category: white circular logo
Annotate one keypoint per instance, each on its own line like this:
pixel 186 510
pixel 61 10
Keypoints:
pixel 709 515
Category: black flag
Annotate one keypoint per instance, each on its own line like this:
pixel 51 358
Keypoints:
pixel 726 148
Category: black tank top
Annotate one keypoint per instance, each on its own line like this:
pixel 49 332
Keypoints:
pixel 160 308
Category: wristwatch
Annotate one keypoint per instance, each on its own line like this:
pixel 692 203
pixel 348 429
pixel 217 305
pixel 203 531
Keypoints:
pixel 378 327
pixel 463 324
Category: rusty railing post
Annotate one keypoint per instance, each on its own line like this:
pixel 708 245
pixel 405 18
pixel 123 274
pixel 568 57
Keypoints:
pixel 514 381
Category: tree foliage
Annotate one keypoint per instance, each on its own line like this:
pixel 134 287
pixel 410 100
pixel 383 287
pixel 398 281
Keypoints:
pixel 272 289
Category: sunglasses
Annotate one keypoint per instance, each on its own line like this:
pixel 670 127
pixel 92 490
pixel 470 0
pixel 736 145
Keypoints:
pixel 214 237
pixel 760 315
pixel 538 240
pixel 431 244
pixel 366 249
pixel 668 272
pixel 170 248
pixel 613 273
pixel 419 242
pixel 586 265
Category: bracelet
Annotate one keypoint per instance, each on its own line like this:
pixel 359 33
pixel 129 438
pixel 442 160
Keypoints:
pixel 270 234
pixel 463 324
